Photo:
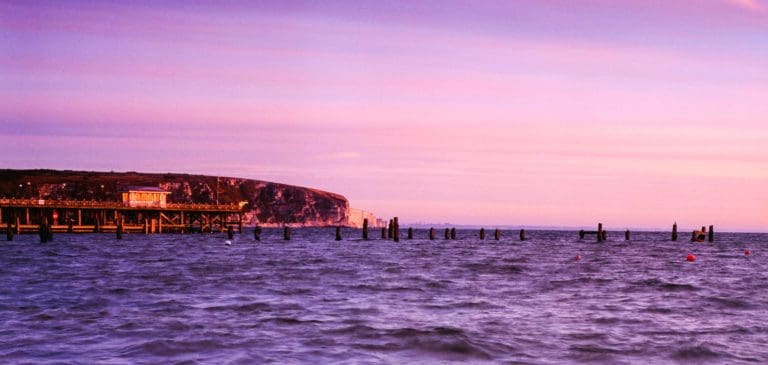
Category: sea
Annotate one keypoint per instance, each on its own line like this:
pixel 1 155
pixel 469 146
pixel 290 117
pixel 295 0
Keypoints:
pixel 551 299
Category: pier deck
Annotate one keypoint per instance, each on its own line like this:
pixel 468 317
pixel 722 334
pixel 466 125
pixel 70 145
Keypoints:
pixel 26 216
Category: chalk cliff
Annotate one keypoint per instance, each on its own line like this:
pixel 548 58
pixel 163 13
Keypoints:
pixel 269 203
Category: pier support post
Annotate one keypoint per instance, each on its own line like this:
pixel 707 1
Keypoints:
pixel 119 230
pixel 391 229
pixel 431 233
pixel 146 225
pixel 338 233
pixel 497 234
pixel 70 227
pixel 453 233
pixel 581 234
pixel 482 233
pixel 674 232
pixel 600 232
pixel 18 225
pixel 383 233
pixel 711 233
pixel 447 233
pixel 396 230
pixel 257 233
pixel 287 233
pixel 9 231
pixel 410 233
pixel 626 235
pixel 43 230
pixel 365 228
pixel 230 232
pixel 522 234
pixel 97 226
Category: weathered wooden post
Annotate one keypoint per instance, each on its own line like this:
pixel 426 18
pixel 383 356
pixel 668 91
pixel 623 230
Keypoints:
pixel 522 234
pixel 391 230
pixel 447 233
pixel 287 233
pixel 257 233
pixel 693 236
pixel 599 232
pixel 431 233
pixel 453 233
pixel 70 226
pixel 119 230
pixel 711 234
pixel 383 233
pixel 338 233
pixel 230 232
pixel 410 233
pixel 396 230
pixel 97 226
pixel 605 235
pixel 482 233
pixel 365 228
pixel 497 234
pixel 674 232
pixel 9 231
pixel 626 235
pixel 43 231
pixel 581 234
pixel 146 226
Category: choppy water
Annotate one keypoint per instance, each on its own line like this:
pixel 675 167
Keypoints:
pixel 190 299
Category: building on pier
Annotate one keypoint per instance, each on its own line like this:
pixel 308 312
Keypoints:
pixel 144 196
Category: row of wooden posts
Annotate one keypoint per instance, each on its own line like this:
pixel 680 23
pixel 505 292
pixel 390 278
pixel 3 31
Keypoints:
pixel 392 231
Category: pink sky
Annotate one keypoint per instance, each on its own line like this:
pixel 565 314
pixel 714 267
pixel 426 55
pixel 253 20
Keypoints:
pixel 632 113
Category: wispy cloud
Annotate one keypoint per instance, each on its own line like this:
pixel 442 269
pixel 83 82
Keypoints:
pixel 751 5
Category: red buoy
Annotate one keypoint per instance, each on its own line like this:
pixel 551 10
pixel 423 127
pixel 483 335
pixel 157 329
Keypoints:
pixel 690 257
pixel 577 258
pixel 747 252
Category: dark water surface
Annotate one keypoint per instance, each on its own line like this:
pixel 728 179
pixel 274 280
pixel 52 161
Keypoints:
pixel 190 299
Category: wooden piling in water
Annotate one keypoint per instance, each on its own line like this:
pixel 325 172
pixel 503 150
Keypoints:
pixel 600 232
pixel 391 230
pixel 70 226
pixel 581 234
pixel 711 234
pixel 365 228
pixel 431 233
pixel 626 235
pixel 383 233
pixel 497 234
pixel 453 233
pixel 447 233
pixel 674 232
pixel 119 230
pixel 43 230
pixel 482 233
pixel 287 233
pixel 97 226
pixel 396 230
pixel 230 232
pixel 9 231
pixel 257 233
pixel 522 234
pixel 410 233
pixel 338 233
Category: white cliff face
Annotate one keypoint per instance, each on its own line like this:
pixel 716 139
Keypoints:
pixel 355 218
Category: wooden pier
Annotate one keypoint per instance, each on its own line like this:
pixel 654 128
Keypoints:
pixel 27 215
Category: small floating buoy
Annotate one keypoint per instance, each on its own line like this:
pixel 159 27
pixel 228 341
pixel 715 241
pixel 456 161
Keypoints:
pixel 747 252
pixel 577 258
pixel 228 242
pixel 690 257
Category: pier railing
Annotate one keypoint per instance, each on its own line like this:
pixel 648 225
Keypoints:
pixel 93 204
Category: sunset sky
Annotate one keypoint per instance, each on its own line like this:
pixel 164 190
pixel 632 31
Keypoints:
pixel 633 113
